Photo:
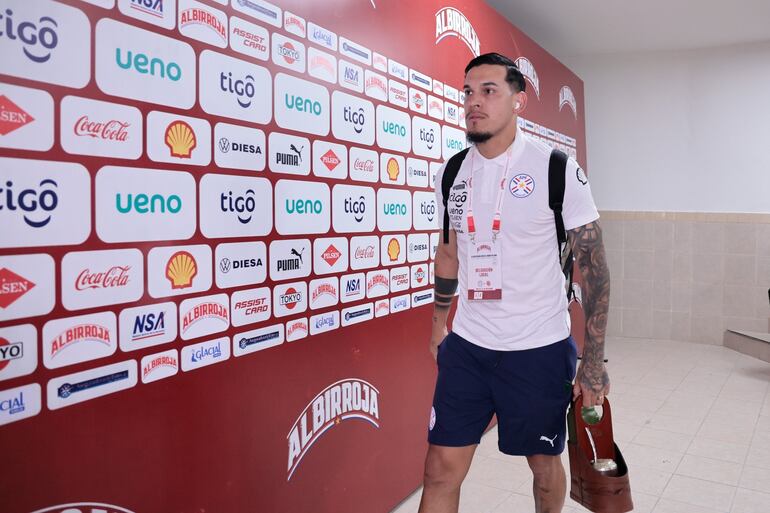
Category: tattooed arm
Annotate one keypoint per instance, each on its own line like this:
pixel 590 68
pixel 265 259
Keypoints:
pixel 592 379
pixel 446 266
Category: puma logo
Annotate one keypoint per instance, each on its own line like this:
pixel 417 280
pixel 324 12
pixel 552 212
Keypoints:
pixel 298 254
pixel 549 440
pixel 297 151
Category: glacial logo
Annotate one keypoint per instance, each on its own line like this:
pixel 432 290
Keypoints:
pixel 37 204
pixel 38 40
pixel 321 36
pixel 452 23
pixel 347 399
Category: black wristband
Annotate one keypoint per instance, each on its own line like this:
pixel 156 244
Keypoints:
pixel 446 286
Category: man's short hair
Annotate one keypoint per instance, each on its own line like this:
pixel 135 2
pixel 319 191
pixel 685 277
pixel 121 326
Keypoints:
pixel 513 76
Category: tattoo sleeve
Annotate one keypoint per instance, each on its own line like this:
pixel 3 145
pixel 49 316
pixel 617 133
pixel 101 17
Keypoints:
pixel 592 262
pixel 444 292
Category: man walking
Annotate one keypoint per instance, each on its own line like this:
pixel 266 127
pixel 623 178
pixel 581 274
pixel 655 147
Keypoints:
pixel 509 352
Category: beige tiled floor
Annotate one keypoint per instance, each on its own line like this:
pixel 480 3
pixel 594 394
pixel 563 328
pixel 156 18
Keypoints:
pixel 693 422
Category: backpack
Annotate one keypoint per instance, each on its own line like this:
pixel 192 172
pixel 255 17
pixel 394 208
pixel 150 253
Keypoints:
pixel 557 169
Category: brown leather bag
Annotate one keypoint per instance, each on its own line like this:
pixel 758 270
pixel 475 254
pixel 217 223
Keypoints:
pixel 597 491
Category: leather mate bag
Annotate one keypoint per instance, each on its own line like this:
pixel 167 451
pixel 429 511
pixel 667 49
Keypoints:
pixel 597 491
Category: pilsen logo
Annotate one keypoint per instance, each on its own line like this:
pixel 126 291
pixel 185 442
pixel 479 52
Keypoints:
pixel 180 139
pixel 331 255
pixel 115 276
pixel 12 116
pixel 350 398
pixel 112 130
pixel 209 310
pixel 159 362
pixel 330 160
pixel 528 70
pixel 80 333
pixel 197 16
pixel 12 287
pixel 451 22
pixel 567 97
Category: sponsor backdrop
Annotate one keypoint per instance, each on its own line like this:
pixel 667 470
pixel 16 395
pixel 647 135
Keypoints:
pixel 216 253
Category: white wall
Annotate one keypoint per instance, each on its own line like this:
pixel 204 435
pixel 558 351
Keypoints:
pixel 679 131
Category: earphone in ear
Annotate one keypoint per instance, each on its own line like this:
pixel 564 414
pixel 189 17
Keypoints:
pixel 518 105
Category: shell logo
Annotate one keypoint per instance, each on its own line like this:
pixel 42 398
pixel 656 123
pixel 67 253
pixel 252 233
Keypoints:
pixel 393 169
pixel 180 139
pixel 394 249
pixel 181 269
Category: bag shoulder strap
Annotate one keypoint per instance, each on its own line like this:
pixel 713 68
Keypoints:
pixel 447 180
pixel 557 173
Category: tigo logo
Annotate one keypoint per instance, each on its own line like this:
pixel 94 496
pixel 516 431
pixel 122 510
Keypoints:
pixel 230 204
pixel 48 197
pixel 228 87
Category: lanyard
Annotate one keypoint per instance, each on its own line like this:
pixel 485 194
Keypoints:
pixel 497 219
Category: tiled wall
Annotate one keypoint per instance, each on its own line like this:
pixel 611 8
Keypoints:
pixel 687 276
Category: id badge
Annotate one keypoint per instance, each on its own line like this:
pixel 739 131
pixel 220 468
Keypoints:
pixel 485 277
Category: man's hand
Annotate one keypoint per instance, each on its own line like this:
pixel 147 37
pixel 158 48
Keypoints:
pixel 438 336
pixel 592 382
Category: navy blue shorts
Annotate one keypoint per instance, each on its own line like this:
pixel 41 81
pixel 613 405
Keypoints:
pixel 529 391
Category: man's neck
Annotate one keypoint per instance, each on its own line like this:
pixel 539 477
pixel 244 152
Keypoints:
pixel 499 142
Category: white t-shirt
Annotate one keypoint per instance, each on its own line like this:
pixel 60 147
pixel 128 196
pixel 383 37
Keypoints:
pixel 533 310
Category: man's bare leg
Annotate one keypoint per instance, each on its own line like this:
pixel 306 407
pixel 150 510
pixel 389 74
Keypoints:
pixel 445 469
pixel 550 483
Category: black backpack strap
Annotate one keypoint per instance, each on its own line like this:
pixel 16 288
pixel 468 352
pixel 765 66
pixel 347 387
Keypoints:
pixel 557 172
pixel 450 173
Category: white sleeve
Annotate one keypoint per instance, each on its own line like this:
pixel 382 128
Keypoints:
pixel 579 208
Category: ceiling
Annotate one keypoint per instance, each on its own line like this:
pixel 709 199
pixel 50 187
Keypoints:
pixel 568 28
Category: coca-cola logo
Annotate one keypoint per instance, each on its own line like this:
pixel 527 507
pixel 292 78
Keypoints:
pixel 365 252
pixel 364 165
pixel 113 130
pixel 115 276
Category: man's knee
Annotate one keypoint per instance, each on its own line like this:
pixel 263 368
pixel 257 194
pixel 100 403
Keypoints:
pixel 545 467
pixel 446 467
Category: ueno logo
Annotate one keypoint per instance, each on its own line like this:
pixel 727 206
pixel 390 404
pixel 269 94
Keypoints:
pixel 31 35
pixel 144 64
pixel 300 104
pixel 142 203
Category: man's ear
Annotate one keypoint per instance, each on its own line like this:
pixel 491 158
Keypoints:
pixel 519 102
